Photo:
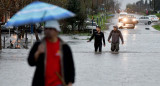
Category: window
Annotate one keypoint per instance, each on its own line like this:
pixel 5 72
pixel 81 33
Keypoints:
pixel 146 17
pixel 141 18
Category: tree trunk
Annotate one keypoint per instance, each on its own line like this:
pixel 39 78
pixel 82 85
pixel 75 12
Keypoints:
pixel 72 27
pixel 23 32
pixel 36 33
pixel 6 17
pixel 79 27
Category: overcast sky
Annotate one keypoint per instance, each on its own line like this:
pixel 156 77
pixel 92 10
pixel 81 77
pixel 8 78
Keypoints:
pixel 125 2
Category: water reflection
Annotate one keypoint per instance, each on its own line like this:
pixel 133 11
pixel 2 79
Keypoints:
pixel 134 37
pixel 125 35
pixel 125 61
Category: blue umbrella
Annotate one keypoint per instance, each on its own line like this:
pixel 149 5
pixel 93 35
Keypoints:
pixel 37 12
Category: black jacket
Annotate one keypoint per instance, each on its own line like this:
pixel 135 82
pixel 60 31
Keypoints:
pixel 67 64
pixel 115 36
pixel 98 37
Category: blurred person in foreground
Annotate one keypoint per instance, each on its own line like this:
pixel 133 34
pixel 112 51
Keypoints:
pixel 53 59
pixel 115 34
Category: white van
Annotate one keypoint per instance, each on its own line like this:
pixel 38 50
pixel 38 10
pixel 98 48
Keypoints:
pixel 145 20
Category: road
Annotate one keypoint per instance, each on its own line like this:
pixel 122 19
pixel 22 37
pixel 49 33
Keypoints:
pixel 137 63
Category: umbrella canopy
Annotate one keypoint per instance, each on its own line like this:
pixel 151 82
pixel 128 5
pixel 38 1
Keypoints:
pixel 37 12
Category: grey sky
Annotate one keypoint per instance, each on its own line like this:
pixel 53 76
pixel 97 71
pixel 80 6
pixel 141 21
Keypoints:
pixel 125 2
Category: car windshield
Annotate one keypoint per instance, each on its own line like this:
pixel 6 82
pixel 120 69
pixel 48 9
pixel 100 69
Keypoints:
pixel 146 17
pixel 130 16
pixel 122 15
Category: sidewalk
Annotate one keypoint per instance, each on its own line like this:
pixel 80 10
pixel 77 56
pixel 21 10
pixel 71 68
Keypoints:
pixel 22 41
pixel 14 69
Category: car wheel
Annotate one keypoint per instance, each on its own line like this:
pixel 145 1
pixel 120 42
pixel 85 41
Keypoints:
pixel 137 22
pixel 121 27
pixel 133 26
pixel 149 23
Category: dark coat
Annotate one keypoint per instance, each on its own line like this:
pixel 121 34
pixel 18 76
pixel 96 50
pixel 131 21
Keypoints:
pixel 67 64
pixel 115 35
pixel 98 37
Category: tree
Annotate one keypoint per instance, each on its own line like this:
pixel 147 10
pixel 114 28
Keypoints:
pixel 74 6
pixel 4 6
pixel 140 6
pixel 157 5
pixel 82 15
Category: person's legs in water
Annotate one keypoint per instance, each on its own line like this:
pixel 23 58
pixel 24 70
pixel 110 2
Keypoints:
pixel 100 47
pixel 117 47
pixel 96 47
pixel 113 47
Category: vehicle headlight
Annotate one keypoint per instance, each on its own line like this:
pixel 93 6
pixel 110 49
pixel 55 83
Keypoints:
pixel 124 19
pixel 134 19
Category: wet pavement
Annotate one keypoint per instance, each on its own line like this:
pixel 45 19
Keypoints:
pixel 137 63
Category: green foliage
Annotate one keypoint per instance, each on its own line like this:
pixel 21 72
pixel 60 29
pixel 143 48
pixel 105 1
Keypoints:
pixel 95 16
pixel 157 27
pixel 158 15
pixel 73 5
pixel 77 7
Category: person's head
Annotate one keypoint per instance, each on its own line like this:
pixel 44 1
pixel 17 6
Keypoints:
pixel 98 28
pixel 52 28
pixel 115 28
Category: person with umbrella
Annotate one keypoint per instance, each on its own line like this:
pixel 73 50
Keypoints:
pixel 98 35
pixel 51 56
pixel 115 35
pixel 53 59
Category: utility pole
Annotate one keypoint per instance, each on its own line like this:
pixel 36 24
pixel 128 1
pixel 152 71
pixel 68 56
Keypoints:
pixel 154 5
pixel 3 10
pixel 97 6
pixel 0 39
pixel 92 8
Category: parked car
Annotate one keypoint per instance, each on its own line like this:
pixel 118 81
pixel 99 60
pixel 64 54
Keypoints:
pixel 112 15
pixel 90 26
pixel 154 18
pixel 121 15
pixel 6 29
pixel 145 20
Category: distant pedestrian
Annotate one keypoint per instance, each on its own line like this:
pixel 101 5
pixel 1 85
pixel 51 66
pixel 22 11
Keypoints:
pixel 115 35
pixel 99 36
pixel 53 59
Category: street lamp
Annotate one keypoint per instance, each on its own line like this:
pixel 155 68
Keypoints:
pixel 92 16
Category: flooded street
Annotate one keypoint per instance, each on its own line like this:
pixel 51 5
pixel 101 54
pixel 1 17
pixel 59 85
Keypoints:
pixel 137 63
